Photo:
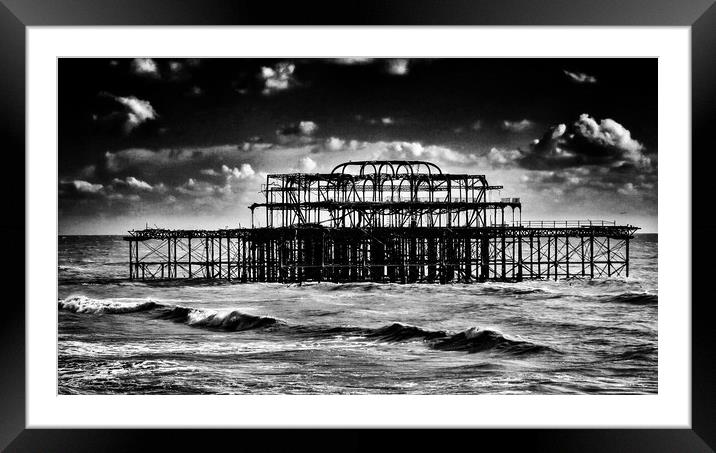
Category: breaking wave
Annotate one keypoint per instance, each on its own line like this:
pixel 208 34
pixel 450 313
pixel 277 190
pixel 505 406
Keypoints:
pixel 228 320
pixel 474 339
pixel 84 304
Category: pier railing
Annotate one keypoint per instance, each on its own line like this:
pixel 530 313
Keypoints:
pixel 563 223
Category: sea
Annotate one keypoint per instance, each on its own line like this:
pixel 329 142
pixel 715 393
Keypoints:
pixel 117 336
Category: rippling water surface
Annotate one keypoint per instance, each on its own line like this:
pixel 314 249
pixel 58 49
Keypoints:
pixel 542 337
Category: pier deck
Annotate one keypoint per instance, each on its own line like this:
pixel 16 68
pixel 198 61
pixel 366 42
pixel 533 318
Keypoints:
pixel 403 255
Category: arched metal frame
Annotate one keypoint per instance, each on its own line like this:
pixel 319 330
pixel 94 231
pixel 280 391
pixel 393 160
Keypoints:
pixel 382 193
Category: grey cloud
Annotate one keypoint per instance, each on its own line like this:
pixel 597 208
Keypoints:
pixel 351 60
pixel 517 126
pixel 580 77
pixel 297 133
pixel 398 66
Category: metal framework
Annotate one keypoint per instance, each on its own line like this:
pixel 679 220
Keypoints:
pixel 384 221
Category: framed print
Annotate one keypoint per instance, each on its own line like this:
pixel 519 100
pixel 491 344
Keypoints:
pixel 396 216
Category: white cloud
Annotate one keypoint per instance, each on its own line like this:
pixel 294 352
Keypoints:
pixel 132 183
pixel 194 188
pixel 580 77
pixel 398 66
pixel 307 127
pixel 334 144
pixel 86 187
pixel 278 78
pixel 407 150
pixel 238 173
pixel 138 111
pixel 608 133
pixel 307 164
pixel 499 156
pixel 138 184
pixel 627 189
pixel 517 126
pixel 145 67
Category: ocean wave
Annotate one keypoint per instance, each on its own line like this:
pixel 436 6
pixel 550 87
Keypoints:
pixel 352 287
pixel 228 320
pixel 512 290
pixel 403 332
pixel 476 339
pixel 633 298
pixel 647 351
pixel 84 304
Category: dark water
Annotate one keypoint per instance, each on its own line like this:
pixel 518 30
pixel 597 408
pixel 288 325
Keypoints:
pixel 542 337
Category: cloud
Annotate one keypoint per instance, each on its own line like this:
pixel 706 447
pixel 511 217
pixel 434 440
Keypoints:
pixel 176 67
pixel 608 133
pixel 221 181
pixel 194 188
pixel 590 184
pixel 517 126
pixel 150 162
pixel 415 150
pixel 300 128
pixel 132 183
pixel 334 144
pixel 82 187
pixel 244 172
pixel 277 78
pixel 297 133
pixel 627 189
pixel 352 60
pixel 307 164
pixel 580 77
pixel 88 171
pixel 398 66
pixel 136 111
pixel 584 142
pixel 145 67
pixel 500 156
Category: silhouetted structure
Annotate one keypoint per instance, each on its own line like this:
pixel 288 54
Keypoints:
pixel 384 221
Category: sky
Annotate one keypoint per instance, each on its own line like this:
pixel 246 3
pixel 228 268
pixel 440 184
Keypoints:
pixel 187 143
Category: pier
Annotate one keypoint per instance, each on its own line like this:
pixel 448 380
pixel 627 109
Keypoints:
pixel 384 221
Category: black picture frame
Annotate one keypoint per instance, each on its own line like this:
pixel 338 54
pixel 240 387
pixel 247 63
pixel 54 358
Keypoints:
pixel 700 16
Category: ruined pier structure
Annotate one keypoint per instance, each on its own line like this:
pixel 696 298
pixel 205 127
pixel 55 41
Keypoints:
pixel 384 221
